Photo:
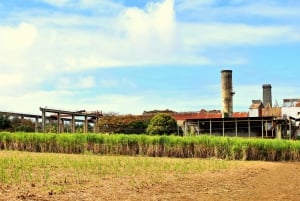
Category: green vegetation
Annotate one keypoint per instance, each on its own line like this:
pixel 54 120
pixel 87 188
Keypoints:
pixel 162 124
pixel 63 170
pixel 204 146
pixel 158 124
pixel 16 124
pixel 126 124
pixel 4 122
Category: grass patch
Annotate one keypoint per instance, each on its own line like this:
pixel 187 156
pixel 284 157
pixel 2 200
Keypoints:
pixel 61 170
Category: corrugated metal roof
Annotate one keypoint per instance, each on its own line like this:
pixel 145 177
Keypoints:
pixel 201 115
pixel 240 114
pixel 206 115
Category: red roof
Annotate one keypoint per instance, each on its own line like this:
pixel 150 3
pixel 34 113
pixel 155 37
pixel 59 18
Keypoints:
pixel 240 114
pixel 206 115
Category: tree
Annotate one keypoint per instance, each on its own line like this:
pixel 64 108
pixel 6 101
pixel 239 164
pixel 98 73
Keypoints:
pixel 5 123
pixel 24 125
pixel 162 124
pixel 127 124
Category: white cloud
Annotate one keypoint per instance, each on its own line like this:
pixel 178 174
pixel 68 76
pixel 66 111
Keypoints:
pixel 17 38
pixel 114 83
pixel 75 83
pixel 58 43
pixel 15 41
pixel 31 101
pixel 63 83
pixel 86 82
pixel 214 35
pixel 49 45
pixel 156 22
pixel 109 83
pixel 11 82
pixel 203 10
pixel 135 37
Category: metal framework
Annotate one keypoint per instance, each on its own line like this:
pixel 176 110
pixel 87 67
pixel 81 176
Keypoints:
pixel 264 127
pixel 63 115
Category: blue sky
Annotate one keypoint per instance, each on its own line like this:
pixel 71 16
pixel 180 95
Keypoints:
pixel 129 56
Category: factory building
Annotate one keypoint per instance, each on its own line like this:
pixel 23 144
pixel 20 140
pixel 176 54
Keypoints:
pixel 261 120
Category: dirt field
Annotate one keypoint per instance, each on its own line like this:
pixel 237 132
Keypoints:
pixel 248 181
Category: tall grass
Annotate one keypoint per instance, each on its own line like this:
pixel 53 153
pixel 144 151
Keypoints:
pixel 204 146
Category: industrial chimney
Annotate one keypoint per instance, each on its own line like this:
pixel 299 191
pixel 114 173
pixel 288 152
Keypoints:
pixel 267 94
pixel 227 93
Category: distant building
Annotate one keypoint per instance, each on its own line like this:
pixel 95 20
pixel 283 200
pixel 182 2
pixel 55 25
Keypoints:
pixel 255 109
pixel 291 107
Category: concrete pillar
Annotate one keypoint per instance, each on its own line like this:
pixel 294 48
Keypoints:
pixel 198 127
pixel 43 121
pixel 96 127
pixel 284 129
pixel 223 127
pixel 262 128
pixel 185 128
pixel 290 127
pixel 58 122
pixel 50 124
pixel 249 128
pixel 210 127
pixel 278 131
pixel 36 128
pixel 236 127
pixel 73 124
pixel 85 125
pixel 22 121
pixel 62 126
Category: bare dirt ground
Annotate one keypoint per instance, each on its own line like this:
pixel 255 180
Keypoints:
pixel 248 181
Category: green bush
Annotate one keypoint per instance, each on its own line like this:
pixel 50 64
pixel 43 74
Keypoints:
pixel 162 124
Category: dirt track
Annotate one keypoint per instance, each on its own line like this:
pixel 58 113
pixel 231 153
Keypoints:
pixel 250 181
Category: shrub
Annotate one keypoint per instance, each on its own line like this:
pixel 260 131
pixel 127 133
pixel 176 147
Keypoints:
pixel 162 124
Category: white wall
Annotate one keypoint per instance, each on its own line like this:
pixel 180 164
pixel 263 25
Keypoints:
pixel 290 111
pixel 253 113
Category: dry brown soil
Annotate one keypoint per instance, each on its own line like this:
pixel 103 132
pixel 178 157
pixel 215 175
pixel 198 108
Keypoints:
pixel 248 181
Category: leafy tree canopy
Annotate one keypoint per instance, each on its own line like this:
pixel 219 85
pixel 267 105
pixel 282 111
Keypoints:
pixel 4 122
pixel 127 124
pixel 162 124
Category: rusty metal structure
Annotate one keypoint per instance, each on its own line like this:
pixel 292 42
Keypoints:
pixel 50 115
pixel 227 93
pixel 61 116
